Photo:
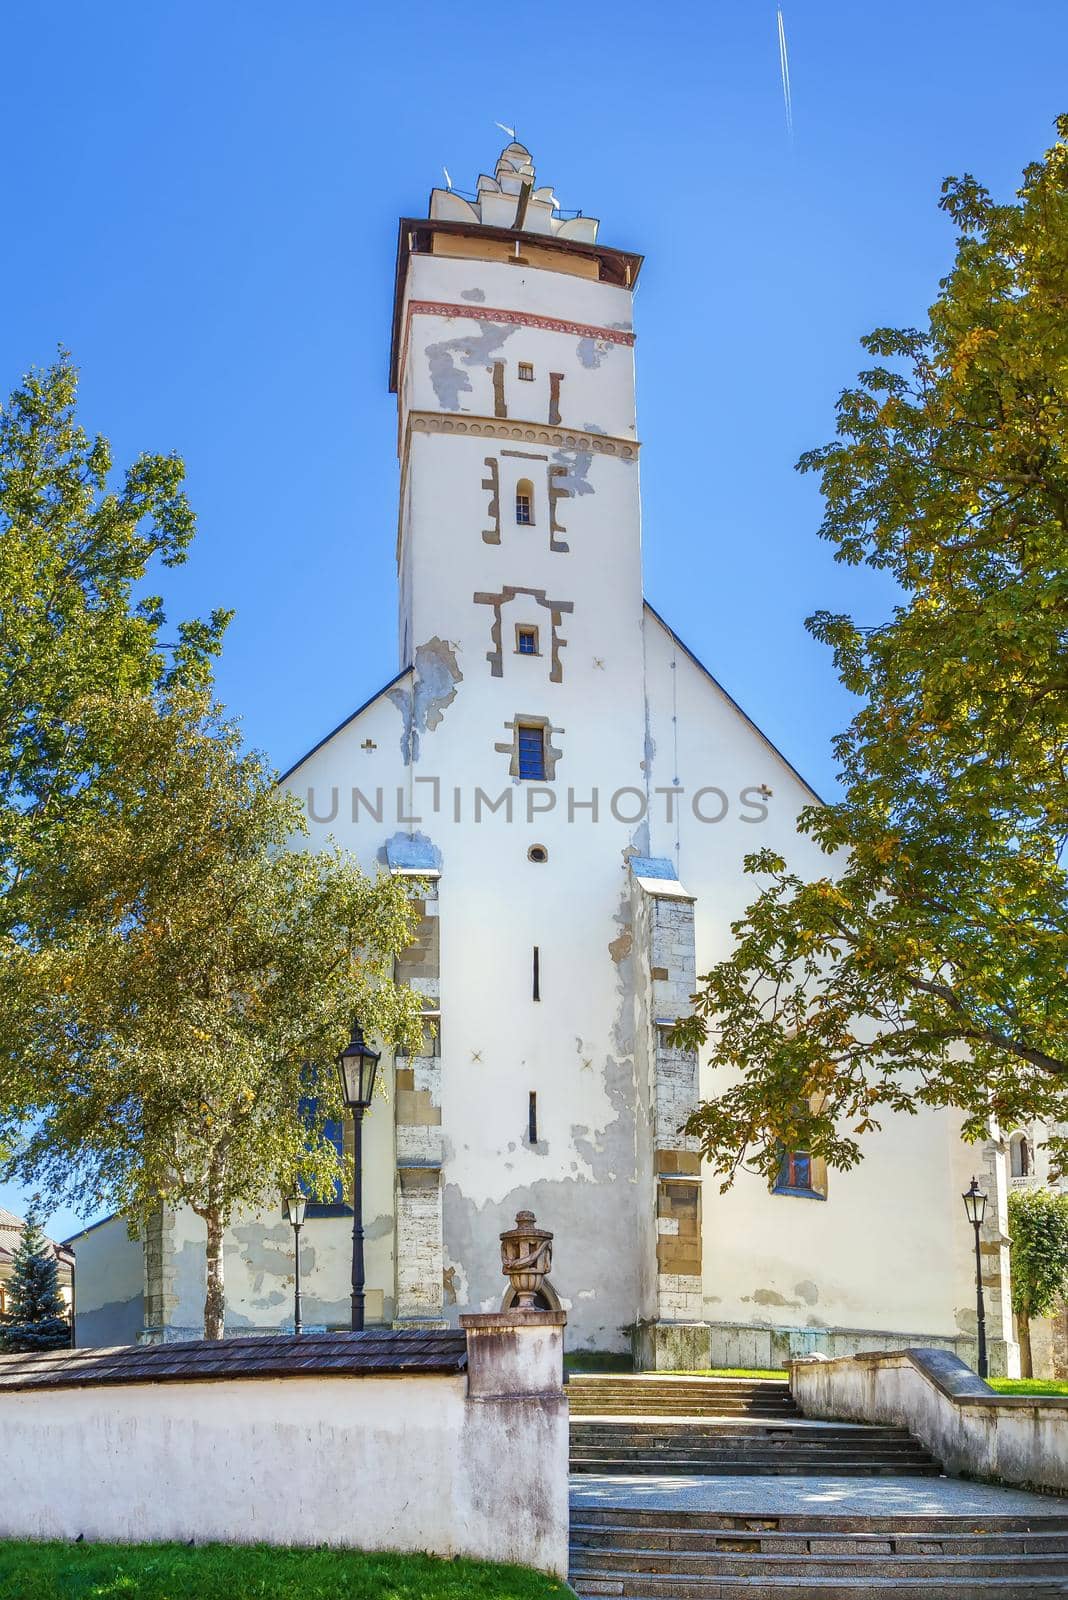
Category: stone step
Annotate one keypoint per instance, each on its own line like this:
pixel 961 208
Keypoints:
pixel 619 1538
pixel 747 1468
pixel 682 1407
pixel 817 1523
pixel 677 1380
pixel 635 1565
pixel 610 1408
pixel 613 1428
pixel 758 1450
pixel 1004 1586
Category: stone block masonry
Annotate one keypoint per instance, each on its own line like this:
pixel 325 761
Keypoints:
pixel 664 920
pixel 419 1286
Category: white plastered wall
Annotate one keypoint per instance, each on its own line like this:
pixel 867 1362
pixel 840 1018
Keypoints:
pixel 888 1251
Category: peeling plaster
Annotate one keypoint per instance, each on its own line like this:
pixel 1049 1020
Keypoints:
pixel 591 352
pixel 808 1292
pixel 435 676
pixel 585 1248
pixel 770 1297
pixel 576 464
pixel 472 294
pixel 620 948
pixel 268 1254
pixel 444 360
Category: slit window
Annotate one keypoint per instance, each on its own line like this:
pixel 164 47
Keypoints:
pixel 531 752
pixel 524 503
pixel 537 973
pixel 526 641
pixel 532 1118
pixel 526 371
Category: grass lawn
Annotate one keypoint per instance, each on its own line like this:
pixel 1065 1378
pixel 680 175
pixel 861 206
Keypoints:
pixel 1027 1386
pixel 252 1572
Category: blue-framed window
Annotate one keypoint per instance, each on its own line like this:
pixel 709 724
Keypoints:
pixel 527 641
pixel 333 1130
pixel 531 752
pixel 797 1176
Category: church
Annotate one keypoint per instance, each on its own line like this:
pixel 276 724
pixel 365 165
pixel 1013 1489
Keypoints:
pixel 571 793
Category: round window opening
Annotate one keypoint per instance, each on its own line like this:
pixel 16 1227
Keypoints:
pixel 537 852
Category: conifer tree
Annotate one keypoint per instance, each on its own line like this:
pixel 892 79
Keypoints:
pixel 36 1318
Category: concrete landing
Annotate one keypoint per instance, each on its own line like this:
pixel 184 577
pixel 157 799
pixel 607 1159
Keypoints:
pixel 811 1496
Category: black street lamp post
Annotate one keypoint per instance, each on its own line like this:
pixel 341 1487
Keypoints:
pixel 293 1208
pixel 356 1066
pixel 975 1207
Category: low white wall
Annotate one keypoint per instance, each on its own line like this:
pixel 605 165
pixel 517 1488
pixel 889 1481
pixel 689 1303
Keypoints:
pixel 376 1462
pixel 974 1432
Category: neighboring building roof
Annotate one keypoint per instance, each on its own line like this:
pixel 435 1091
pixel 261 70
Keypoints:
pixel 339 1355
pixel 11 1228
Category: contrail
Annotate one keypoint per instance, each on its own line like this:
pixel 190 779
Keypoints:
pixel 784 64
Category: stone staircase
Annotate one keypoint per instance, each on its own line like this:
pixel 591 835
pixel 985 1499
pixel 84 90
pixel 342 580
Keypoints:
pixel 680 1555
pixel 711 1426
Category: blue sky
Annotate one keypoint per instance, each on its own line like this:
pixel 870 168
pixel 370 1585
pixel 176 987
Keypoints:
pixel 200 202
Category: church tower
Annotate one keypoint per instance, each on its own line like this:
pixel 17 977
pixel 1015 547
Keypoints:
pixel 519 557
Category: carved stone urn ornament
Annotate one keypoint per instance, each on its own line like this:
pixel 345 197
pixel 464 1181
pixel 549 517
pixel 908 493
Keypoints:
pixel 526 1259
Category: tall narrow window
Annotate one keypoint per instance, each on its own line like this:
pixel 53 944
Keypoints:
pixel 531 752
pixel 537 973
pixel 524 503
pixel 532 1118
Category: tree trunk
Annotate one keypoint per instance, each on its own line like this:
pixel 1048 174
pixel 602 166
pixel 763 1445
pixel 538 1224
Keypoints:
pixel 1023 1328
pixel 215 1298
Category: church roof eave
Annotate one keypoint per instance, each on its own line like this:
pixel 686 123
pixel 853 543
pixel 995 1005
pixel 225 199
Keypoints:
pixel 731 701
pixel 325 740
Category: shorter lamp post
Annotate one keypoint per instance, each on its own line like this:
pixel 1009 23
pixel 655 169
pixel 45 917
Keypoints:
pixel 356 1066
pixel 293 1208
pixel 975 1207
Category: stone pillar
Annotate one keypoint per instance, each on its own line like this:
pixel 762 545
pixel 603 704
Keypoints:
pixel 515 1433
pixel 1003 1352
pixel 419 1291
pixel 671 1332
pixel 160 1298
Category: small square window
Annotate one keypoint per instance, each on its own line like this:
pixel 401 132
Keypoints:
pixel 526 371
pixel 531 752
pixel 526 641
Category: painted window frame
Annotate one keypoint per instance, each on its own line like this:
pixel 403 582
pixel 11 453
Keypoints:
pixel 786 1183
pixel 532 730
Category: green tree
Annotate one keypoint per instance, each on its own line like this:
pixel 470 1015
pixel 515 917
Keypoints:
pixel 36 1317
pixel 927 966
pixel 75 549
pixel 1038 1259
pixel 211 966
